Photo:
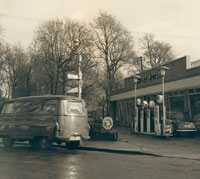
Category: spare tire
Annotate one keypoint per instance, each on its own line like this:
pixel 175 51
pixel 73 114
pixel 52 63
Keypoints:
pixel 107 123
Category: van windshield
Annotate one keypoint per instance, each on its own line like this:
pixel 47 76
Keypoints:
pixel 74 107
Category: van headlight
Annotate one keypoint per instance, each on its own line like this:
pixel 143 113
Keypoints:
pixel 57 126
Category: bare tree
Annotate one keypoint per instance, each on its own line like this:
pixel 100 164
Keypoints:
pixel 55 49
pixel 114 45
pixel 49 46
pixel 3 50
pixel 156 53
pixel 16 71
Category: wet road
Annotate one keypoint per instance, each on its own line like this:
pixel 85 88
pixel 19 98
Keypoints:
pixel 22 162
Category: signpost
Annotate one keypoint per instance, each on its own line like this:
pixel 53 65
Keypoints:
pixel 80 83
pixel 72 77
pixel 73 90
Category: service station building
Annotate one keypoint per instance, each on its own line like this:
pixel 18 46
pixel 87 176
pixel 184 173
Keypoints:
pixel 182 90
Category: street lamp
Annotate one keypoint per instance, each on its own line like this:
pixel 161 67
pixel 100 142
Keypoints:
pixel 77 44
pixel 162 71
pixel 135 80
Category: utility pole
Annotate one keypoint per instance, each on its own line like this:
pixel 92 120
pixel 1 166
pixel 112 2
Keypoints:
pixel 80 81
pixel 141 63
pixel 78 46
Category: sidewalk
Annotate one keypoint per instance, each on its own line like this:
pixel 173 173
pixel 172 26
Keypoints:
pixel 180 147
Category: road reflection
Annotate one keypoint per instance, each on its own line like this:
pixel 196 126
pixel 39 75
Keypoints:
pixel 70 167
pixel 24 162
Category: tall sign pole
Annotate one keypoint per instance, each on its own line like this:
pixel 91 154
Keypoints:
pixel 80 82
pixel 162 71
pixel 135 119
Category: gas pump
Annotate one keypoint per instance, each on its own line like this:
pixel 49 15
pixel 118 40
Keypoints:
pixel 136 119
pixel 141 119
pixel 137 116
pixel 157 126
pixel 145 111
pixel 142 116
pixel 152 122
pixel 148 118
pixel 166 130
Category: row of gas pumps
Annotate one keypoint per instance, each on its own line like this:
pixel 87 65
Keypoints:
pixel 150 118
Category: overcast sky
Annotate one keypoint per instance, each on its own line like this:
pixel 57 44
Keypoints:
pixel 174 21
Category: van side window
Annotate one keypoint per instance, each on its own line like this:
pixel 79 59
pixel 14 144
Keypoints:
pixel 49 107
pixel 28 107
pixel 7 108
pixel 74 107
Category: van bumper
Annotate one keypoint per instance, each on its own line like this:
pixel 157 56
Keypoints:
pixel 86 137
pixel 72 138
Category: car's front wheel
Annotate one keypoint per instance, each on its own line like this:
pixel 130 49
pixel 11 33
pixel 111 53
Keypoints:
pixel 8 142
pixel 176 134
pixel 43 143
pixel 193 134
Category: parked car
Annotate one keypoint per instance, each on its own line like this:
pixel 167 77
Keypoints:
pixel 196 120
pixel 182 123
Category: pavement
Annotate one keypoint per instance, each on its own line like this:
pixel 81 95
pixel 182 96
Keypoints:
pixel 184 147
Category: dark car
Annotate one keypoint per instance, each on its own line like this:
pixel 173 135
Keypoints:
pixel 181 123
pixel 196 119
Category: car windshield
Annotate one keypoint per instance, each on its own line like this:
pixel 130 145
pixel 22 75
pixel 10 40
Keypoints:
pixel 197 117
pixel 178 116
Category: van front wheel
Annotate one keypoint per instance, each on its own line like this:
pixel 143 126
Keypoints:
pixel 8 142
pixel 73 145
pixel 43 143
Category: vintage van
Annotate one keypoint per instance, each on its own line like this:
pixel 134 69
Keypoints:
pixel 42 120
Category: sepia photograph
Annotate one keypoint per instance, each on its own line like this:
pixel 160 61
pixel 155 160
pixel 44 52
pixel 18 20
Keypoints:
pixel 99 89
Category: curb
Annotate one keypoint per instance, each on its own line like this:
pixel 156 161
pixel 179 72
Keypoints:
pixel 132 152
pixel 119 151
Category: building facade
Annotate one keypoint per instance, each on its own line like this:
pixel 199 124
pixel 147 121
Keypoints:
pixel 182 90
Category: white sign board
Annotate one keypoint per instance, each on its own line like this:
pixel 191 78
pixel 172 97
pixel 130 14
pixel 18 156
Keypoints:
pixel 72 76
pixel 73 90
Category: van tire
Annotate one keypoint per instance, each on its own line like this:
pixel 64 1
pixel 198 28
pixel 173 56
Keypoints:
pixel 176 134
pixel 8 142
pixel 43 143
pixel 33 143
pixel 72 145
pixel 193 134
pixel 59 142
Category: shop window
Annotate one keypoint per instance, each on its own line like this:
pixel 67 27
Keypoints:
pixel 195 104
pixel 197 90
pixel 181 92
pixel 176 93
pixel 191 91
pixel 177 103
